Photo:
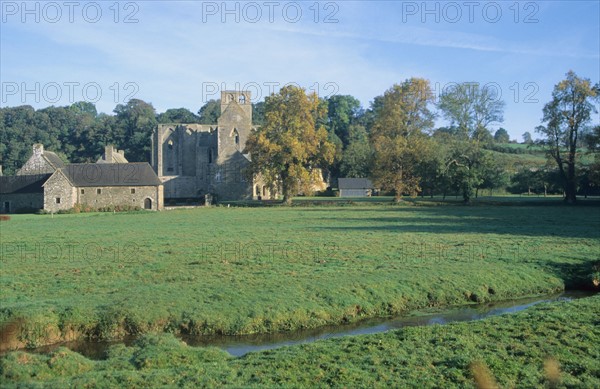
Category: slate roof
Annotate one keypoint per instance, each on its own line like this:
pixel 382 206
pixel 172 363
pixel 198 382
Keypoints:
pixel 111 174
pixel 355 183
pixel 23 184
pixel 53 159
pixel 117 158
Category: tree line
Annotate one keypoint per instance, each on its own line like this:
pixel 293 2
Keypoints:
pixel 394 141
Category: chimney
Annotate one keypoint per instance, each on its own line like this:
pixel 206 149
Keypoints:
pixel 108 153
pixel 38 149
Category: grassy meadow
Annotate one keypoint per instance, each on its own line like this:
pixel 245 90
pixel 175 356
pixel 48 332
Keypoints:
pixel 552 345
pixel 244 270
pixel 255 270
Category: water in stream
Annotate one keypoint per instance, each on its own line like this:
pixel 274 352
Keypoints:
pixel 242 344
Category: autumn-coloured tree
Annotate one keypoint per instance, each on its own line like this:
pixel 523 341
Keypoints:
pixel 399 136
pixel 566 115
pixel 287 149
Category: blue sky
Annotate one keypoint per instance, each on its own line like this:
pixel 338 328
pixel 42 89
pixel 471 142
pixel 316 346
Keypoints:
pixel 181 54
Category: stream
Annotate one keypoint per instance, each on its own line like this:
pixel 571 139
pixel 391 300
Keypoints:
pixel 239 345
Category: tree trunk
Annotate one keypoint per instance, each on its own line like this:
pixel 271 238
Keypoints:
pixel 287 199
pixel 571 187
pixel 571 192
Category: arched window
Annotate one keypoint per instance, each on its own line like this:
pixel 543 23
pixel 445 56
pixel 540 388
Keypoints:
pixel 231 99
pixel 170 156
pixel 210 155
pixel 242 99
pixel 236 137
pixel 257 190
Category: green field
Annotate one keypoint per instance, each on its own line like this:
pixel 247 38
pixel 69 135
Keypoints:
pixel 515 348
pixel 243 270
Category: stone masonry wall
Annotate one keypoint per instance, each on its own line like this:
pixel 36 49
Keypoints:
pixel 58 193
pixel 105 196
pixel 17 201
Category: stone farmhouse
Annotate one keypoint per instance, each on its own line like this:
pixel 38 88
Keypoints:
pixel 45 182
pixel 195 160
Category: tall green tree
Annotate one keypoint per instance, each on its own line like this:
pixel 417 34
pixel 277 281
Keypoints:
pixel 471 108
pixel 343 110
pixel 399 136
pixel 592 141
pixel 527 139
pixel 258 113
pixel 178 115
pixel 357 157
pixel 135 122
pixel 501 136
pixel 287 149
pixel 565 116
pixel 209 113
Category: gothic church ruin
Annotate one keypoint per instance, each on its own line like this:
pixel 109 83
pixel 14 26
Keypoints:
pixel 195 160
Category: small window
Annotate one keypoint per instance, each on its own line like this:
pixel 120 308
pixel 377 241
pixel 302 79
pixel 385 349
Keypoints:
pixel 170 145
pixel 83 191
pixel 132 190
pixel 169 169
pixel 98 191
pixel 236 137
pixel 242 99
pixel 58 200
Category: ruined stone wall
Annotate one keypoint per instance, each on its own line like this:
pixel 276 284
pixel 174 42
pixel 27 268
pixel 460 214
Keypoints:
pixel 193 160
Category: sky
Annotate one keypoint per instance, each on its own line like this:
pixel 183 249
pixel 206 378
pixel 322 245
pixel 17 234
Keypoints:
pixel 183 53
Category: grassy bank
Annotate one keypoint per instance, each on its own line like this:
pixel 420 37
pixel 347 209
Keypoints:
pixel 549 344
pixel 252 270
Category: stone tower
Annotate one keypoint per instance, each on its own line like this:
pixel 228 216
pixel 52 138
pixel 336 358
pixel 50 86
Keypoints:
pixel 193 160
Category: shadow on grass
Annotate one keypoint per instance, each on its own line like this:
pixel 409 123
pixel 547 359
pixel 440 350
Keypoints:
pixel 577 276
pixel 552 221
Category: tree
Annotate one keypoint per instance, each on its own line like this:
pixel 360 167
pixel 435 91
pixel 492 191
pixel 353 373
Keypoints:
pixel 258 113
pixel 178 115
pixel 568 113
pixel 342 112
pixel 210 112
pixel 357 157
pixel 398 136
pixel 471 108
pixel 465 167
pixel 592 140
pixel 501 136
pixel 288 148
pixel 135 122
pixel 527 138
